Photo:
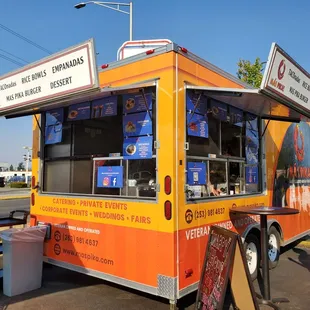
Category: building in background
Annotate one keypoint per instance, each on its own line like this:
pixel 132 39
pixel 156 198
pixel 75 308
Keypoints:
pixel 16 176
pixel 4 166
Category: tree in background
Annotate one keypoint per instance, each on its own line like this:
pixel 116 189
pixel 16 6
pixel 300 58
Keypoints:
pixel 11 168
pixel 21 167
pixel 251 73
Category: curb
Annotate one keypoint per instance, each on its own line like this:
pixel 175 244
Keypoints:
pixel 305 244
pixel 14 197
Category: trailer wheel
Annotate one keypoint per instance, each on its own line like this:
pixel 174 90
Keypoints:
pixel 273 247
pixel 252 253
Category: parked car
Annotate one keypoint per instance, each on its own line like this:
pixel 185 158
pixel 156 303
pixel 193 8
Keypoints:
pixel 2 182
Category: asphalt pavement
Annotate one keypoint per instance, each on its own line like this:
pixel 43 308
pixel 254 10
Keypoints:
pixel 64 289
pixel 6 206
pixel 12 193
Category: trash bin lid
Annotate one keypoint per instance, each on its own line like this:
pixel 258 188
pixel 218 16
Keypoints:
pixel 28 234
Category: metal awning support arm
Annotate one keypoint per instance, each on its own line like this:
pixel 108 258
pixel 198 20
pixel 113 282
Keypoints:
pixel 145 102
pixel 42 133
pixel 266 127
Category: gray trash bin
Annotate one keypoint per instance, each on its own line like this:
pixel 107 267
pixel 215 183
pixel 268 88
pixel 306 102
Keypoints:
pixel 22 259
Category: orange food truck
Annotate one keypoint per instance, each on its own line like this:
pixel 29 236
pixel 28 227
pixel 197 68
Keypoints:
pixel 133 162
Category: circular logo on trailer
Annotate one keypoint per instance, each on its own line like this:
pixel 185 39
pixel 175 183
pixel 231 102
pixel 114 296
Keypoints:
pixel 281 69
pixel 57 249
pixel 299 144
pixel 189 216
pixel 57 236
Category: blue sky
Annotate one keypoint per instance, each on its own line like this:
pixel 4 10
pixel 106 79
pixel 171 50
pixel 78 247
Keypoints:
pixel 218 31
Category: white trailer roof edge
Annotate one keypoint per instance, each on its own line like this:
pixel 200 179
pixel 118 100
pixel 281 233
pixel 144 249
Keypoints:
pixel 176 48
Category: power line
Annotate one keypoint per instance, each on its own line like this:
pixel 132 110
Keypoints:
pixel 27 62
pixel 25 39
pixel 11 60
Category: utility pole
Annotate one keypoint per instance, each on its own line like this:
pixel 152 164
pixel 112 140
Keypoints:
pixel 27 158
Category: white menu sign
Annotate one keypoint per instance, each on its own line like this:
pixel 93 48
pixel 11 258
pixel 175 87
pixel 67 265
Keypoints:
pixel 285 78
pixel 71 71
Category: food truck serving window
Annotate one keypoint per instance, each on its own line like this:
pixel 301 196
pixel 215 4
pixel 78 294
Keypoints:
pixel 223 148
pixel 103 147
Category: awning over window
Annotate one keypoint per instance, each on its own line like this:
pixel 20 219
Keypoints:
pixel 103 92
pixel 254 101
pixel 284 93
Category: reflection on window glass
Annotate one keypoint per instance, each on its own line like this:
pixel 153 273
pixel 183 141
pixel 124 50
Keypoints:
pixel 89 135
pixel 57 176
pixel 217 175
pixel 236 178
pixel 231 140
pixel 214 137
pixel 142 178
pixel 81 176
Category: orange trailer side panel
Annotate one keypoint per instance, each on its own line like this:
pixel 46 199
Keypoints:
pixel 130 253
pixel 136 244
pixel 288 160
pixel 193 227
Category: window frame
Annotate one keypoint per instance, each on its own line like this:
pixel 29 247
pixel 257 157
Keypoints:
pixel 124 163
pixel 155 89
pixel 227 159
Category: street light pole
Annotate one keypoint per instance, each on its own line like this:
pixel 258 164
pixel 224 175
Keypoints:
pixel 28 156
pixel 113 6
pixel 130 21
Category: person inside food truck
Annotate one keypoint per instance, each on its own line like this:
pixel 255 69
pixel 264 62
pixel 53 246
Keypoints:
pixel 213 190
pixel 216 180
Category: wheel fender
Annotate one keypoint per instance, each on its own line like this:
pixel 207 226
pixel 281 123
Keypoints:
pixel 256 226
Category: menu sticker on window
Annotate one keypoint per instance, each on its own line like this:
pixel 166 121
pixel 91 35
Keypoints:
pixel 196 102
pixel 138 124
pixel 219 110
pixel 104 107
pixel 251 146
pixel 79 111
pixel 54 117
pixel 251 138
pixel 251 175
pixel 196 173
pixel 251 121
pixel 236 116
pixel 197 125
pixel 138 148
pixel 251 153
pixel 110 176
pixel 136 103
pixel 53 134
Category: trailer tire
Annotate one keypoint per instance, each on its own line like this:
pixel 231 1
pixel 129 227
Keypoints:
pixel 252 253
pixel 273 247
